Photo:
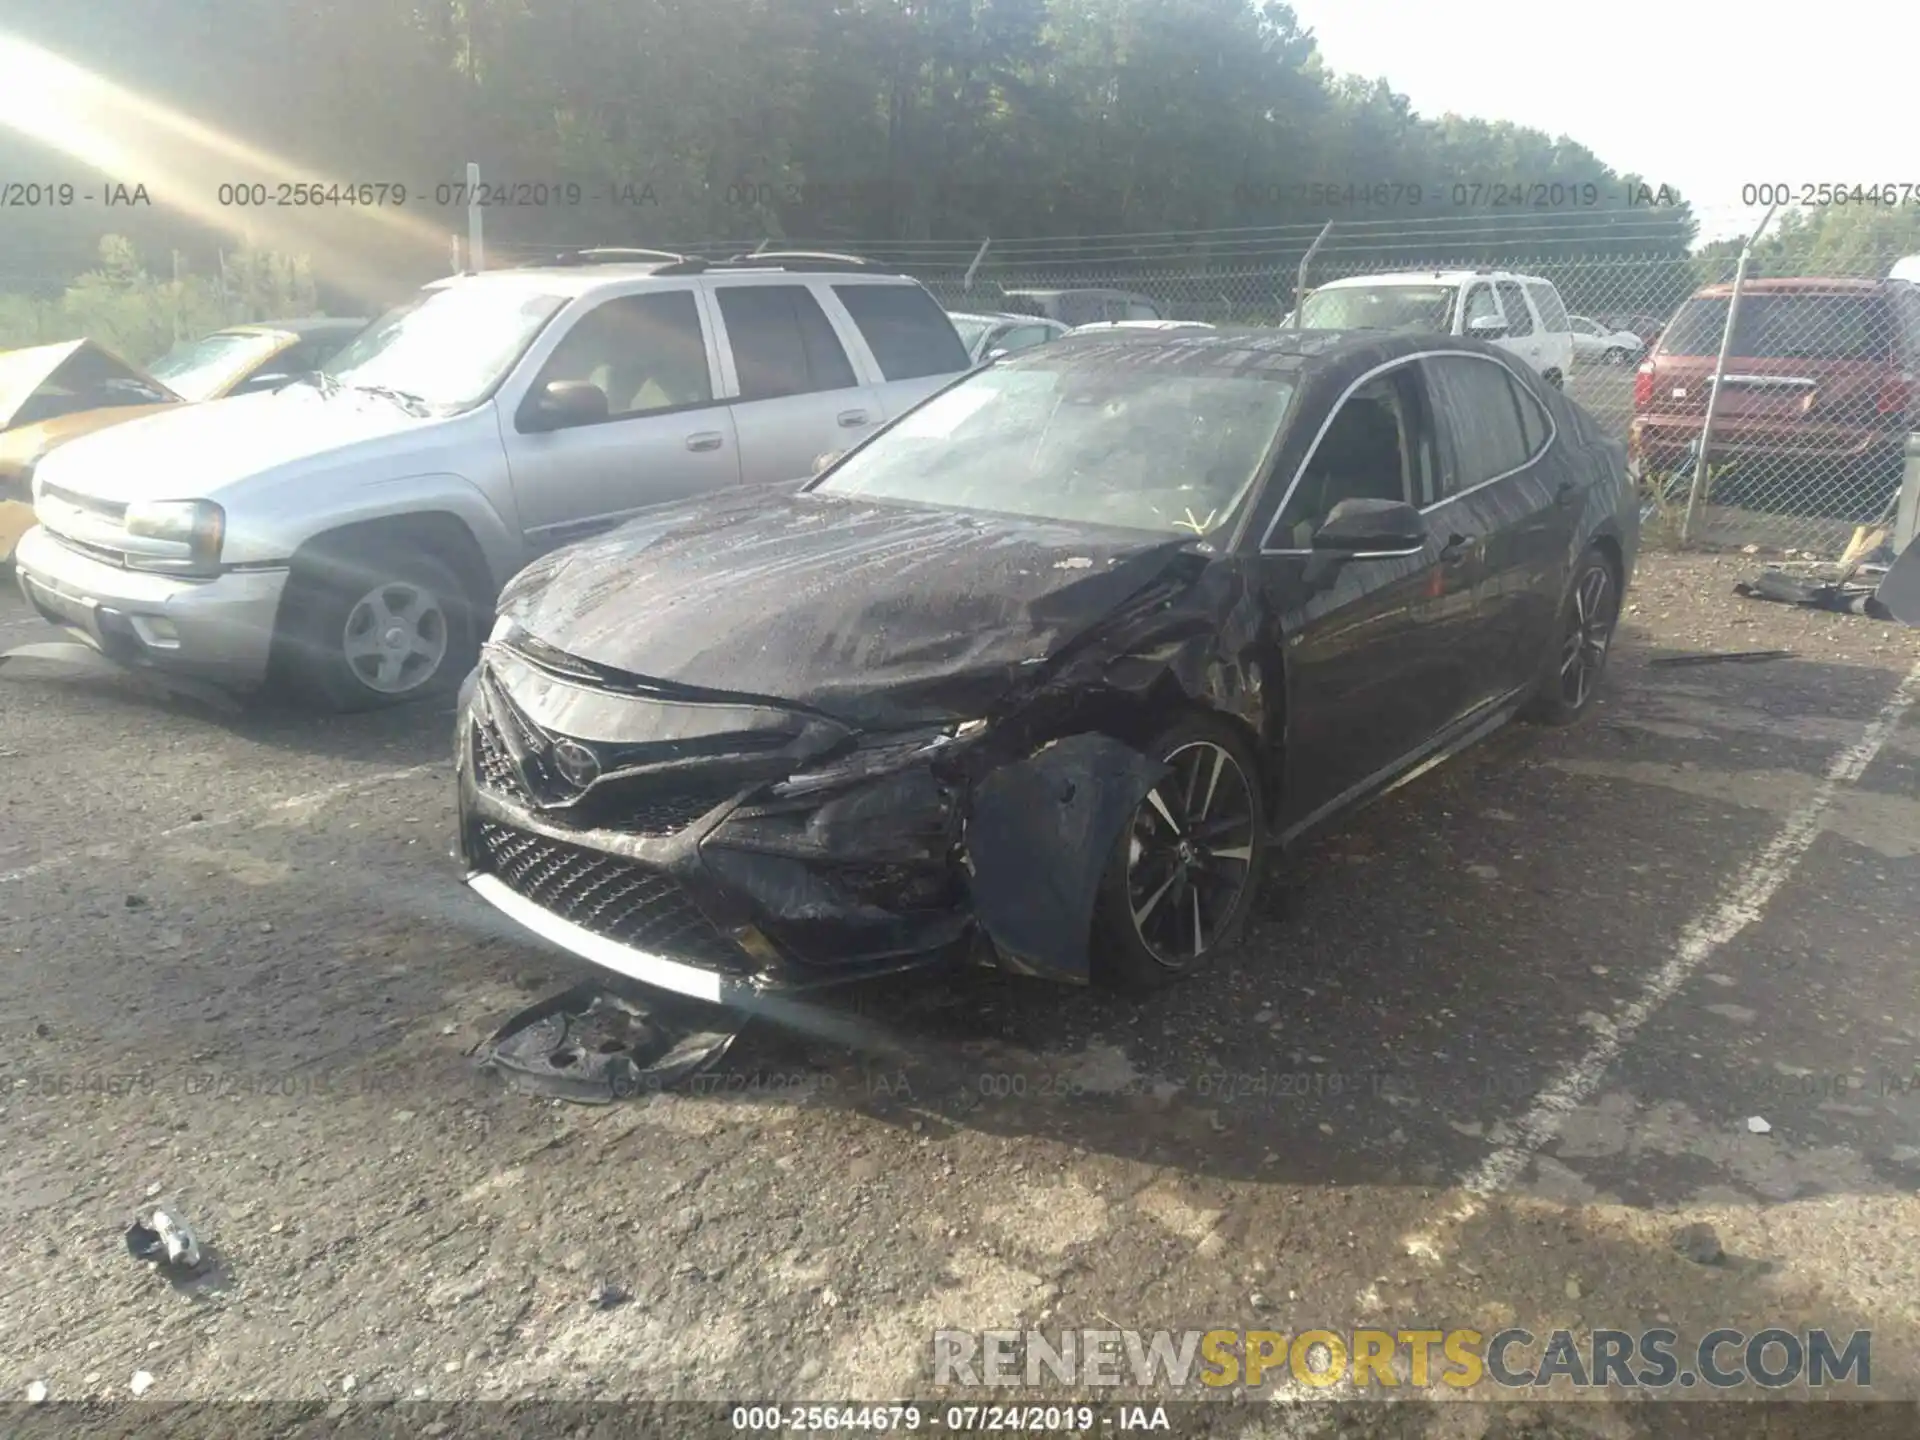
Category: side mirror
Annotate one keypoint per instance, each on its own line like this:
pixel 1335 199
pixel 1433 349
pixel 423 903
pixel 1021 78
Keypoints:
pixel 1360 529
pixel 1488 328
pixel 563 403
pixel 823 461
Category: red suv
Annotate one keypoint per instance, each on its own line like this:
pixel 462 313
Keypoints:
pixel 1818 396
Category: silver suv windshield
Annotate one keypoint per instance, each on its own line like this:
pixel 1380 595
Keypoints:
pixel 1381 307
pixel 445 350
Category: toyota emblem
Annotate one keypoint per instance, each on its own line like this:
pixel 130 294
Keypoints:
pixel 576 764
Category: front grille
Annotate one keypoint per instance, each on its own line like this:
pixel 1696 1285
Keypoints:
pixel 492 767
pixel 625 902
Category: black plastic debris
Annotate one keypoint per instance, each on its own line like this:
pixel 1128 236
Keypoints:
pixel 1722 657
pixel 594 1045
pixel 1843 597
pixel 1899 591
pixel 164 1239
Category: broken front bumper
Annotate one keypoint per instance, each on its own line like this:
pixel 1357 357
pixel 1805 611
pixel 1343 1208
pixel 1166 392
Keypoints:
pixel 675 879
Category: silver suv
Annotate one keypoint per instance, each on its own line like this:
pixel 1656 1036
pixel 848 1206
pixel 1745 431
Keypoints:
pixel 348 532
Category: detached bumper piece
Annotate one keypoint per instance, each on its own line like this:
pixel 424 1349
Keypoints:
pixel 593 1046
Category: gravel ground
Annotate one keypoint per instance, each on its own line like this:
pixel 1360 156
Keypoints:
pixel 1494 1040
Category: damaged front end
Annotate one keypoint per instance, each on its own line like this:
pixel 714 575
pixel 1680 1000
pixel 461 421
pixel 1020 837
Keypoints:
pixel 722 846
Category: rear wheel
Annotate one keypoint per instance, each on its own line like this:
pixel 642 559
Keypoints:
pixel 1182 876
pixel 1616 356
pixel 388 624
pixel 1582 641
pixel 1555 379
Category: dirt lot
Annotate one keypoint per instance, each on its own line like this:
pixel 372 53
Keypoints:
pixel 1496 1038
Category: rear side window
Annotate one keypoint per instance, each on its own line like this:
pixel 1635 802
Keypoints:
pixel 1519 319
pixel 783 343
pixel 1478 405
pixel 1140 310
pixel 1786 327
pixel 1546 299
pixel 910 336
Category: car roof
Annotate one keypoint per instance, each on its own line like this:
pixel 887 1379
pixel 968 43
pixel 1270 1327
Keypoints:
pixel 1287 353
pixel 573 281
pixel 1429 277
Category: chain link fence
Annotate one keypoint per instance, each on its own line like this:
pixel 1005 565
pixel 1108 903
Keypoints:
pixel 1775 412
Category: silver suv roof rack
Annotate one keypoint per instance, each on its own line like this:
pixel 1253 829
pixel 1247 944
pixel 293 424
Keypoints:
pixel 802 260
pixel 609 255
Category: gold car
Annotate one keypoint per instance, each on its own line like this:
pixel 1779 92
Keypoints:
pixel 48 395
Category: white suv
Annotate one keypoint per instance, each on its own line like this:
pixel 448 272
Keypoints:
pixel 350 531
pixel 1521 313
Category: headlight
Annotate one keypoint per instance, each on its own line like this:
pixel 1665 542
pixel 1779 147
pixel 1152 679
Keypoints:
pixel 181 535
pixel 882 756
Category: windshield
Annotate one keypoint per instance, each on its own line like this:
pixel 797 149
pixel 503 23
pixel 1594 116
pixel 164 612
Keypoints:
pixel 1142 442
pixel 1381 307
pixel 970 330
pixel 200 369
pixel 448 348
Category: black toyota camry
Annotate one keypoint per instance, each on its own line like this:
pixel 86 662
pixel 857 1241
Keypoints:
pixel 1041 673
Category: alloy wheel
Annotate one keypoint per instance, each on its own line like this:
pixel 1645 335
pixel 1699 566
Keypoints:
pixel 1190 853
pixel 395 638
pixel 1583 650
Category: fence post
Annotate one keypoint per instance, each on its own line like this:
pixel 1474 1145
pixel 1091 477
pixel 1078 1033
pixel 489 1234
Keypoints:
pixel 476 252
pixel 453 251
pixel 1698 488
pixel 1300 283
pixel 978 256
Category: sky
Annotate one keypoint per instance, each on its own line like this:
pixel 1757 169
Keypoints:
pixel 1705 95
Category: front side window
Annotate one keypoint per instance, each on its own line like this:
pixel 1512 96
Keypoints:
pixel 448 348
pixel 1365 455
pixel 643 352
pixel 1519 320
pixel 1135 441
pixel 1481 308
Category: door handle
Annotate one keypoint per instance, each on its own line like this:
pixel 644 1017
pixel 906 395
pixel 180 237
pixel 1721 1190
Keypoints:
pixel 1456 550
pixel 852 419
pixel 1565 494
pixel 705 440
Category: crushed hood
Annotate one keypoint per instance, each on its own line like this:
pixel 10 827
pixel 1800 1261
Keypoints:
pixel 41 370
pixel 878 615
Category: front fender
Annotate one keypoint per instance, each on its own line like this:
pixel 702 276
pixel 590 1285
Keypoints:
pixel 273 534
pixel 1038 837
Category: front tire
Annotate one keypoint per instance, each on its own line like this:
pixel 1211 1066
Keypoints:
pixel 1183 874
pixel 1616 356
pixel 1583 639
pixel 386 625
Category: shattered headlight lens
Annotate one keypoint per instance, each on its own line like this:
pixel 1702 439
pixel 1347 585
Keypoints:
pixel 882 755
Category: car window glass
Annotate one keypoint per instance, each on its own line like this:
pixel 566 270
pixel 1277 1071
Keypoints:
pixel 643 352
pixel 1363 455
pixel 782 342
pixel 1478 408
pixel 1140 310
pixel 1534 425
pixel 1023 337
pixel 1546 299
pixel 908 332
pixel 1519 321
pixel 1481 305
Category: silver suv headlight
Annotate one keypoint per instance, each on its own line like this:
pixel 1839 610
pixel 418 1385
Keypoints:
pixel 181 536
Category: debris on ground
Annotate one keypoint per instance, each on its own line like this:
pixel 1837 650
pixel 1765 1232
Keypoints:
pixel 1845 597
pixel 142 1382
pixel 594 1045
pixel 1758 1125
pixel 1699 1243
pixel 165 1240
pixel 1726 657
pixel 606 1295
pixel 37 1392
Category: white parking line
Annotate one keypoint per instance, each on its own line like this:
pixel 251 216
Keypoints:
pixel 1743 903
pixel 255 814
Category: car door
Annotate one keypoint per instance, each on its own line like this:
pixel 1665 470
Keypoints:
pixel 909 340
pixel 1523 336
pixel 1373 671
pixel 666 435
pixel 795 393
pixel 1496 484
pixel 1556 333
